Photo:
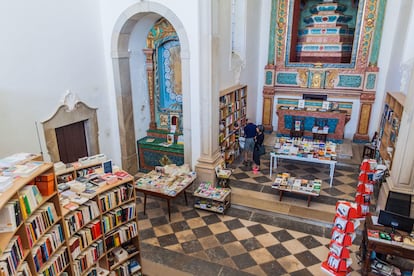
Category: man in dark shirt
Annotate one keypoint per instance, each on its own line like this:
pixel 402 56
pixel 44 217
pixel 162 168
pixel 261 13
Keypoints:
pixel 249 134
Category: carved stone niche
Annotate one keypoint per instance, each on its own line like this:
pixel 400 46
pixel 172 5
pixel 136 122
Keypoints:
pixel 70 113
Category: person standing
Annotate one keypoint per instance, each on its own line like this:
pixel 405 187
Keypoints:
pixel 249 134
pixel 258 144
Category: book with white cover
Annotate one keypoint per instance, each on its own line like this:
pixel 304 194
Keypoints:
pixel 7 218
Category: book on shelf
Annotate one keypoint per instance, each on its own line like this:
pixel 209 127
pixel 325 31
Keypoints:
pixel 8 218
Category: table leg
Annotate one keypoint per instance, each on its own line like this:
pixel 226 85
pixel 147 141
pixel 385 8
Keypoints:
pixel 331 173
pixel 271 165
pixel 169 210
pixel 309 199
pixel 280 195
pixel 185 196
pixel 145 202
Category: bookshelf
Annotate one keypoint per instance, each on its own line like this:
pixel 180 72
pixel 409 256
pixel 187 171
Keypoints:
pixel 38 236
pixel 104 230
pixel 232 118
pixel 389 126
pixel 35 240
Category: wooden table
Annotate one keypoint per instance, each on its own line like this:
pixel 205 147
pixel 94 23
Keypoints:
pixel 368 245
pixel 282 190
pixel 160 190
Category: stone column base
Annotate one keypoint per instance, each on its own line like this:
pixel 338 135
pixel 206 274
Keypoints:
pixel 205 169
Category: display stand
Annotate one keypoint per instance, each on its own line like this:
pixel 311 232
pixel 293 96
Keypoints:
pixel 365 188
pixel 284 183
pixel 223 176
pixel 339 261
pixel 210 198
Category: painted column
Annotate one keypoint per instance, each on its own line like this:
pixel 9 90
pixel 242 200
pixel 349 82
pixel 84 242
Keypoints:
pixel 367 99
pixel 149 64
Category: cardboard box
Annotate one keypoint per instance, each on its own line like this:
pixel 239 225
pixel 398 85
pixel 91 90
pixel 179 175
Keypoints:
pixel 46 187
pixel 46 177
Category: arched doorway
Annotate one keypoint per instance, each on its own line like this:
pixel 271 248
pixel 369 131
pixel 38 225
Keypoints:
pixel 137 20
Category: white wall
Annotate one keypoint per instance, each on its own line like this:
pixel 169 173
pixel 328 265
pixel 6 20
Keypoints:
pixel 395 38
pixel 49 47
pixel 116 11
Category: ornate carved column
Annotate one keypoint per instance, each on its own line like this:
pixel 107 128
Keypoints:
pixel 150 76
pixel 268 101
pixel 366 99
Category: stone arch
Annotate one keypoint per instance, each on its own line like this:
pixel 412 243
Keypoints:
pixel 122 78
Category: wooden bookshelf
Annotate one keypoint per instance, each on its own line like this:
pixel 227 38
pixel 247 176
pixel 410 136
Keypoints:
pixel 122 215
pixel 232 118
pixel 50 223
pixel 389 127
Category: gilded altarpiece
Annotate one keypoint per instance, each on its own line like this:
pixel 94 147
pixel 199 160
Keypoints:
pixel 327 47
pixel 163 144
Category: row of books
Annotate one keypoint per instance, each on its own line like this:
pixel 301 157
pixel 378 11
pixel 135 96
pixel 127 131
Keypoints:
pixel 116 196
pixel 121 235
pixel 57 263
pixel 23 270
pixel 97 271
pixel 128 268
pixel 90 233
pixel 47 245
pixel 87 258
pixel 79 243
pixel 40 222
pixel 118 216
pixel 84 214
pixel 30 198
pixel 10 216
pixel 12 256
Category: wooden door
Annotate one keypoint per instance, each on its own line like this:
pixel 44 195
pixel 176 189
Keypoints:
pixel 71 140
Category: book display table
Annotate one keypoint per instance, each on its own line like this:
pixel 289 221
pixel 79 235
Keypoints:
pixel 284 183
pixel 371 242
pixel 305 151
pixel 210 198
pixel 166 182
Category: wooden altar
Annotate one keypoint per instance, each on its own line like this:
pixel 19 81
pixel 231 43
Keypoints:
pixel 335 121
pixel 314 52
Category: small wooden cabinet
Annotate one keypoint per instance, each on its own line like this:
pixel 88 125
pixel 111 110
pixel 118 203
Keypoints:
pixel 389 127
pixel 232 119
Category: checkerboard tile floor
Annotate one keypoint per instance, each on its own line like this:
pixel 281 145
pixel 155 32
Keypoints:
pixel 343 187
pixel 237 242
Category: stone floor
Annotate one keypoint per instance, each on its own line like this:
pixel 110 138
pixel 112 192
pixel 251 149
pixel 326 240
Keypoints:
pixel 258 235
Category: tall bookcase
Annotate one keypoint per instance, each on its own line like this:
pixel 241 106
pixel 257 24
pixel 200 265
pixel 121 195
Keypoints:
pixel 97 237
pixel 104 231
pixel 37 242
pixel 233 104
pixel 389 126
